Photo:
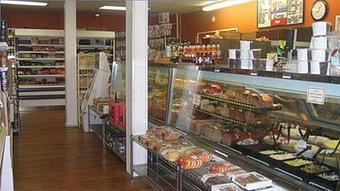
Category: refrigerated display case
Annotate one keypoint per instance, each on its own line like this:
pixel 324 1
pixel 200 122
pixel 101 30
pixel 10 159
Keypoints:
pixel 262 124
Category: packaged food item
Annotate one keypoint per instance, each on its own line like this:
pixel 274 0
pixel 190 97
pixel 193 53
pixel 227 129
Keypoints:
pixel 271 152
pixel 252 181
pixel 298 162
pixel 317 140
pixel 248 141
pixel 284 156
pixel 214 179
pixel 330 176
pixel 226 187
pixel 331 144
pixel 232 174
pixel 223 167
pixel 315 168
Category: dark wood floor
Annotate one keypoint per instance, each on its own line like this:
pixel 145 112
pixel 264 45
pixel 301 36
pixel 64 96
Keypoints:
pixel 48 156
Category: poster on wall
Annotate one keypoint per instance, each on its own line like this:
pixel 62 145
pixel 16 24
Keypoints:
pixel 279 12
pixel 295 12
pixel 263 9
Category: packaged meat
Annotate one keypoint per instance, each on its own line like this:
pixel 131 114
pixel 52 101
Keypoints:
pixel 222 110
pixel 208 107
pixel 252 181
pixel 214 179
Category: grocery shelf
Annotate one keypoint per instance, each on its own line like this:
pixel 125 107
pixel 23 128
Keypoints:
pixel 41 52
pixel 42 86
pixel 41 66
pixel 115 127
pixel 93 46
pixel 43 76
pixel 240 104
pixel 44 45
pixel 40 59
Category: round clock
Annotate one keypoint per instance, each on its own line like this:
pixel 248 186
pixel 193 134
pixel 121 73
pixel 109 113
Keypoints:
pixel 319 10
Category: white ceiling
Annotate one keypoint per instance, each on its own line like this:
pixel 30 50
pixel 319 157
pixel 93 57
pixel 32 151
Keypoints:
pixel 174 6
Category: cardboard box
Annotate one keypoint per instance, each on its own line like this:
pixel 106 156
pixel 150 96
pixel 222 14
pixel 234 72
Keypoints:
pixel 230 35
pixel 248 36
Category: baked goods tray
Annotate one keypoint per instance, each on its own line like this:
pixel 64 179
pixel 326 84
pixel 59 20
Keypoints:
pixel 230 120
pixel 171 164
pixel 242 105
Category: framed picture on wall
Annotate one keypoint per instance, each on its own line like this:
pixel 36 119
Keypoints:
pixel 337 23
pixel 279 12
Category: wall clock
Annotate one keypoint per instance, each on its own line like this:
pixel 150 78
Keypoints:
pixel 319 10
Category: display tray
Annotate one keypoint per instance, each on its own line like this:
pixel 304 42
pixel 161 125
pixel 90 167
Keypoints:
pixel 251 149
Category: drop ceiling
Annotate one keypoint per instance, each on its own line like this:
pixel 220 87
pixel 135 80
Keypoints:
pixel 174 6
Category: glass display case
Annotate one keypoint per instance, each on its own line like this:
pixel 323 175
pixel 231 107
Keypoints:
pixel 158 80
pixel 267 122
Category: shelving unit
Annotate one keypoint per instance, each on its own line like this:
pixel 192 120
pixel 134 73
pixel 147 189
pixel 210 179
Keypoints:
pixel 40 65
pixel 96 41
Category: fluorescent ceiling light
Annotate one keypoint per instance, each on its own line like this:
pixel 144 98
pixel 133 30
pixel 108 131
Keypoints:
pixel 117 8
pixel 29 3
pixel 226 3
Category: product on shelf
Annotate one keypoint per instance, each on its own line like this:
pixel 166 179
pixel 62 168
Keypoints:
pixel 292 131
pixel 222 167
pixel 248 141
pixel 309 153
pixel 213 132
pixel 317 140
pixel 284 156
pixel 227 187
pixel 252 181
pixel 315 168
pixel 271 152
pixel 331 176
pixel 332 144
pixel 298 162
pixel 288 145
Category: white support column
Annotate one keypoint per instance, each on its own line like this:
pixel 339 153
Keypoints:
pixel 70 41
pixel 136 77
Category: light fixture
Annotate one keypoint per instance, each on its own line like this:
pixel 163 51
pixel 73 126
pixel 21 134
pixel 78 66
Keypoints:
pixel 116 8
pixel 28 3
pixel 226 3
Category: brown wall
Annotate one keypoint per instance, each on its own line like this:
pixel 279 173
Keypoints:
pixel 243 17
pixel 47 19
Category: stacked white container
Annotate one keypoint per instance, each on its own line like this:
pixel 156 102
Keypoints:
pixel 319 54
pixel 303 57
pixel 246 55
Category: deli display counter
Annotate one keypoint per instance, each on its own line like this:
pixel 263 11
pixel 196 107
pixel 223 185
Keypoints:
pixel 266 125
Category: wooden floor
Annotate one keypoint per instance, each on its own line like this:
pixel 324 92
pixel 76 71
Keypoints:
pixel 48 156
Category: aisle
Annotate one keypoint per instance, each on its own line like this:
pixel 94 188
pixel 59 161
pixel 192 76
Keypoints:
pixel 50 157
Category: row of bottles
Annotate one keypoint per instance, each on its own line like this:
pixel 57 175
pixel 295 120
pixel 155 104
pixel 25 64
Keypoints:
pixel 197 54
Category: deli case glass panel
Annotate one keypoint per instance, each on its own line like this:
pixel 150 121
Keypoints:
pixel 158 79
pixel 272 125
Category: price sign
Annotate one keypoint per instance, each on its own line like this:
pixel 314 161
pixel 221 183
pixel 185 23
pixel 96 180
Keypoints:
pixel 316 95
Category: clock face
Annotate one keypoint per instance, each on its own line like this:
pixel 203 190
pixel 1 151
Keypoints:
pixel 319 10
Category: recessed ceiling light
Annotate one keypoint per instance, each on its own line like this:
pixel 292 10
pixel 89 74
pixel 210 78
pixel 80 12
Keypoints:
pixel 226 3
pixel 116 8
pixel 28 3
